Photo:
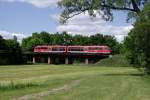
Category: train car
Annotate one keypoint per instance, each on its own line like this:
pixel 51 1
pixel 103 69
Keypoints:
pixel 73 49
pixel 99 49
pixel 89 49
pixel 50 49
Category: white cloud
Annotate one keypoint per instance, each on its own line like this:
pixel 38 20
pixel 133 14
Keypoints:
pixel 9 35
pixel 37 3
pixel 83 24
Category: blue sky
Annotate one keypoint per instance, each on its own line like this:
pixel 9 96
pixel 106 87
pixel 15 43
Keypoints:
pixel 23 17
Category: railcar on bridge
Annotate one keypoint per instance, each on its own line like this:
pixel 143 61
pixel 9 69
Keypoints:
pixel 73 49
pixel 89 49
pixel 68 54
pixel 50 49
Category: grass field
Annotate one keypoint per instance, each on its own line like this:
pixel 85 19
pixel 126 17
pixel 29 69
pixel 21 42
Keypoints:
pixel 72 82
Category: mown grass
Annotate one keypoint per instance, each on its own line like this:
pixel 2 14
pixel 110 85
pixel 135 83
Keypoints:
pixel 121 87
pixel 98 83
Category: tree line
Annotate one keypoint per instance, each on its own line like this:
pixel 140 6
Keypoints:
pixel 66 39
pixel 11 51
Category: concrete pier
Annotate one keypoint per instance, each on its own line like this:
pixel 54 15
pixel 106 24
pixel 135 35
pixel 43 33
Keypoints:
pixel 66 60
pixel 86 61
pixel 33 60
pixel 49 60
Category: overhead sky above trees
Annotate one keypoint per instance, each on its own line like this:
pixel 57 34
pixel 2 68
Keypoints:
pixel 23 17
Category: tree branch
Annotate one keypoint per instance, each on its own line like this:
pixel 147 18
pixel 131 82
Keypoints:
pixel 105 6
pixel 118 8
pixel 78 13
pixel 135 6
pixel 134 9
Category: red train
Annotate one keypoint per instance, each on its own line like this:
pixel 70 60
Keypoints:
pixel 72 49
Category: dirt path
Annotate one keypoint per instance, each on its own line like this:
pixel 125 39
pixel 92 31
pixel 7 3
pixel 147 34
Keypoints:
pixel 38 96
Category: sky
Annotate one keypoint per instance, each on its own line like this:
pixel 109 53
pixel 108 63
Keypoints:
pixel 23 17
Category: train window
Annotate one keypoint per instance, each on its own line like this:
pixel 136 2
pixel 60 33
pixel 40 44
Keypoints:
pixel 54 49
pixel 61 49
pixel 43 47
pixel 92 48
pixel 95 48
pixel 98 48
pixel 76 49
pixel 73 49
pixel 82 49
pixel 50 48
pixel 85 48
pixel 58 49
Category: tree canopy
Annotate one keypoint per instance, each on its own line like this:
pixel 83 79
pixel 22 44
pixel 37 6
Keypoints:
pixel 103 7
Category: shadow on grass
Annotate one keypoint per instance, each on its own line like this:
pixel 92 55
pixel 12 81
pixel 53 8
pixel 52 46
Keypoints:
pixel 124 74
pixel 12 86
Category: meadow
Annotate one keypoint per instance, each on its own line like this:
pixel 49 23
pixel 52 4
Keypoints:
pixel 73 82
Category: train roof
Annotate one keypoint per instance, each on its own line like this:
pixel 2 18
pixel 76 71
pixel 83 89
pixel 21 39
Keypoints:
pixel 89 46
pixel 50 46
pixel 73 45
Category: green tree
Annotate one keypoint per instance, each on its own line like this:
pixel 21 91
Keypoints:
pixel 2 50
pixel 57 39
pixel 32 41
pixel 14 52
pixel 138 42
pixel 80 40
pixel 25 43
pixel 103 7
pixel 46 37
pixel 97 39
pixel 2 43
pixel 67 38
pixel 112 43
pixel 10 51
